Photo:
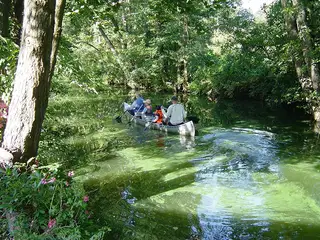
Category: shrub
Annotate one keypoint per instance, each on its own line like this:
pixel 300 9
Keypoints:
pixel 47 203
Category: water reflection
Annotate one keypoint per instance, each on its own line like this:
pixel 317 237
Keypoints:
pixel 246 192
pixel 229 172
pixel 251 173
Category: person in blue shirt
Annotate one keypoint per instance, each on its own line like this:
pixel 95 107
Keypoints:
pixel 137 105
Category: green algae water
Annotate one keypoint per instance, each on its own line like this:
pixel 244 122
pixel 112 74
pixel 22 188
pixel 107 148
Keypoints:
pixel 250 173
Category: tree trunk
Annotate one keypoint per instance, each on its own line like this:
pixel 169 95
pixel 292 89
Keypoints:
pixel 315 74
pixel 184 60
pixel 307 44
pixel 117 30
pixel 126 27
pixel 115 54
pixel 185 76
pixel 32 80
pixel 293 35
pixel 59 11
pixel 4 17
pixel 306 67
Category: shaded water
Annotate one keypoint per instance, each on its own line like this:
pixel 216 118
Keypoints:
pixel 250 173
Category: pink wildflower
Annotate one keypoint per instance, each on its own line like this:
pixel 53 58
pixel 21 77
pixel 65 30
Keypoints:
pixel 52 223
pixel 70 173
pixel 86 198
pixel 52 180
pixel 67 184
pixel 43 181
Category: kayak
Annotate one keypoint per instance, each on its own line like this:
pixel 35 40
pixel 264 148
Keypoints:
pixel 185 129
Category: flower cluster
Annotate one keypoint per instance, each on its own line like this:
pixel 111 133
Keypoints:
pixel 70 173
pixel 86 198
pixel 58 202
pixel 44 181
pixel 52 221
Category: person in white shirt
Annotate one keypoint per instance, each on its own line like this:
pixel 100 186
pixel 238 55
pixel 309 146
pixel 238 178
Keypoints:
pixel 176 113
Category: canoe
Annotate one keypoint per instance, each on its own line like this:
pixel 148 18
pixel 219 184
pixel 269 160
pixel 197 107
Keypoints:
pixel 186 129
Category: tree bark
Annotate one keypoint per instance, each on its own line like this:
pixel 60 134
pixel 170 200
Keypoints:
pixel 110 44
pixel 184 62
pixel 307 44
pixel 32 80
pixel 59 11
pixel 306 67
pixel 293 35
pixel 117 30
pixel 4 17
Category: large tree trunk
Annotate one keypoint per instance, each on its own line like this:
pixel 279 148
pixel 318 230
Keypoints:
pixel 4 17
pixel 32 79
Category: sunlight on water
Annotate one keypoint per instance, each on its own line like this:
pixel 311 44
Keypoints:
pixel 240 178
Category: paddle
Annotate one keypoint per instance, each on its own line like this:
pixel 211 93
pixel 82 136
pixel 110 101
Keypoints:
pixel 119 117
pixel 134 115
pixel 147 126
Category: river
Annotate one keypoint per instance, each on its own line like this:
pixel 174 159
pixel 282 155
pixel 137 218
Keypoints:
pixel 252 172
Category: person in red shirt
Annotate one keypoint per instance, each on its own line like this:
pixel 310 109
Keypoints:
pixel 158 115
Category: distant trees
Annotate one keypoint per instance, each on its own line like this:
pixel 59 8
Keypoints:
pixel 149 44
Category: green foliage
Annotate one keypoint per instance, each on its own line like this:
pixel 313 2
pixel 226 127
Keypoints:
pixel 250 60
pixel 8 52
pixel 150 40
pixel 46 201
pixel 228 52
